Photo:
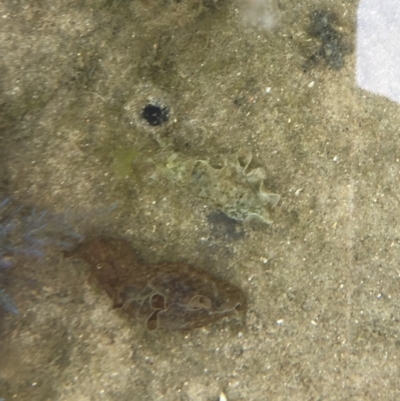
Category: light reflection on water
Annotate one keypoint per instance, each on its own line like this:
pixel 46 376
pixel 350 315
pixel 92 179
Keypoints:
pixel 378 50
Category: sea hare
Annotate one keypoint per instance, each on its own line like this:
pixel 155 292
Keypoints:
pixel 236 188
pixel 172 296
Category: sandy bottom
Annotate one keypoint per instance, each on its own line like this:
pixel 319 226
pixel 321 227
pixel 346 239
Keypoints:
pixel 322 281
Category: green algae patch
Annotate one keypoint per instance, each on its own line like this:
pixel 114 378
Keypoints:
pixel 124 159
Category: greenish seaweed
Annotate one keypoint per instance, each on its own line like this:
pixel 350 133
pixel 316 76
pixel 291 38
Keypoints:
pixel 123 162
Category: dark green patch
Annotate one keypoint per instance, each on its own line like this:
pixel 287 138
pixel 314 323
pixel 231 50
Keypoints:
pixel 332 47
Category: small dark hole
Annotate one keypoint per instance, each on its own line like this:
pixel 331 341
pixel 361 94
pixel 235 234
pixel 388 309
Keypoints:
pixel 155 115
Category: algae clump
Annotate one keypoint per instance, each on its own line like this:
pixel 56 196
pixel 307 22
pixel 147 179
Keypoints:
pixel 122 164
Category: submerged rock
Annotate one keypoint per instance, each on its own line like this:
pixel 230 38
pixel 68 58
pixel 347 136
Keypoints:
pixel 172 296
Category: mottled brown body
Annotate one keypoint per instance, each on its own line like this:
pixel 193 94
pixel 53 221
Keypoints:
pixel 173 296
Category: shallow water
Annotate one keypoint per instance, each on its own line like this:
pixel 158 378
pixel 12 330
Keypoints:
pixel 95 94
